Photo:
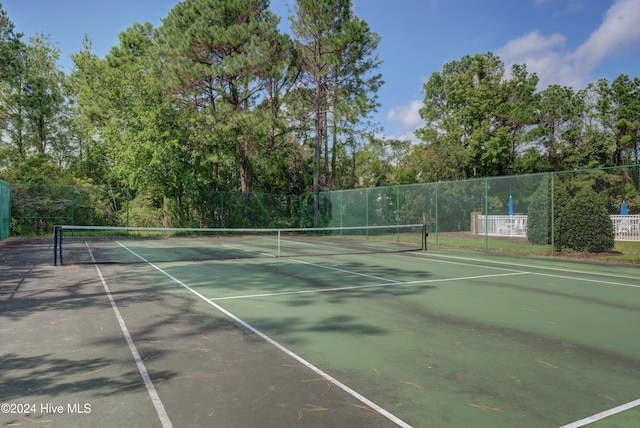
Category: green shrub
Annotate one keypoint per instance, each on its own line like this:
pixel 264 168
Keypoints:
pixel 539 216
pixel 585 224
pixel 539 211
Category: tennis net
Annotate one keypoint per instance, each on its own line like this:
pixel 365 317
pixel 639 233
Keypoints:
pixel 102 244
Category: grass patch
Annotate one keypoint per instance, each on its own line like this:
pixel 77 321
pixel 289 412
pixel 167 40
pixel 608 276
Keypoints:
pixel 624 252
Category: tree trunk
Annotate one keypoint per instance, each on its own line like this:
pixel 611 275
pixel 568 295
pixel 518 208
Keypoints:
pixel 317 150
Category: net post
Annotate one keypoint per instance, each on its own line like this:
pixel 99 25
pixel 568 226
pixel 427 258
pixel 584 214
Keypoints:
pixel 424 237
pixel 278 254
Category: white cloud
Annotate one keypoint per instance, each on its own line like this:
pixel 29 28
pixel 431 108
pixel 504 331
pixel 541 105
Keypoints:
pixel 403 135
pixel 619 33
pixel 550 59
pixel 533 44
pixel 407 115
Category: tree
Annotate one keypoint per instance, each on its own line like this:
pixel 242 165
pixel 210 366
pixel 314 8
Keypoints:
pixel 625 94
pixel 34 109
pixel 586 225
pixel 44 96
pixel 13 52
pixel 517 112
pixel 337 52
pixel 597 142
pixel 218 52
pixel 135 135
pixel 559 123
pixel 476 117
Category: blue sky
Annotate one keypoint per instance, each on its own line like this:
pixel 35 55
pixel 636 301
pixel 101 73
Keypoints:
pixel 567 42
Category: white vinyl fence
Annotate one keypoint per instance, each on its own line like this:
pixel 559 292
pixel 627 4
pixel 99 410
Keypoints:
pixel 626 227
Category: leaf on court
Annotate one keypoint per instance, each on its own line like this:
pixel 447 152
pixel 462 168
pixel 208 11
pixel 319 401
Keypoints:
pixel 545 363
pixel 412 385
pixel 459 378
pixel 313 380
pixel 513 378
pixel 53 322
pixel 129 385
pixel 399 330
pixel 456 344
pixel 33 421
pixel 367 408
pixel 99 369
pixel 201 349
pixel 376 372
pixel 606 397
pixel 321 396
pixel 150 356
pixel 494 409
pixel 309 408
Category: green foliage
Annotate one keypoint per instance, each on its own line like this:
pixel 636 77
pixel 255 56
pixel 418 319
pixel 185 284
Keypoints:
pixel 472 109
pixel 540 225
pixel 217 99
pixel 585 224
pixel 538 217
pixel 581 220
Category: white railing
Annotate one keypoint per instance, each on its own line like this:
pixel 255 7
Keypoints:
pixel 626 227
pixel 502 225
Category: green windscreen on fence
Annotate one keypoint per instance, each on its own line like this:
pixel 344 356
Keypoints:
pixel 5 209
pixel 510 213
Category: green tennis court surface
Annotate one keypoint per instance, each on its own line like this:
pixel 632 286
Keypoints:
pixel 426 339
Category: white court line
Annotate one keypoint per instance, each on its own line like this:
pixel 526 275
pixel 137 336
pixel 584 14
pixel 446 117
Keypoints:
pixel 313 264
pixel 318 265
pixel 602 415
pixel 151 389
pixel 293 355
pixel 586 280
pixel 544 274
pixel 356 287
pixel 245 250
pixel 345 271
pixel 438 256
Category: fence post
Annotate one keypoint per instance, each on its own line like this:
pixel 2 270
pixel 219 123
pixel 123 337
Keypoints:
pixel 553 232
pixel 73 205
pixel 486 213
pixel 366 207
pixel 397 204
pixel 437 213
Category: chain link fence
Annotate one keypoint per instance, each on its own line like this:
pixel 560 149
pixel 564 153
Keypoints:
pixel 494 213
pixel 5 209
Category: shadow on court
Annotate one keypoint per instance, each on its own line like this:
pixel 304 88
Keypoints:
pixel 65 361
pixel 436 341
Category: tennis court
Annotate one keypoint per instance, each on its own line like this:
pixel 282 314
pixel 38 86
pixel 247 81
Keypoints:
pixel 401 338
